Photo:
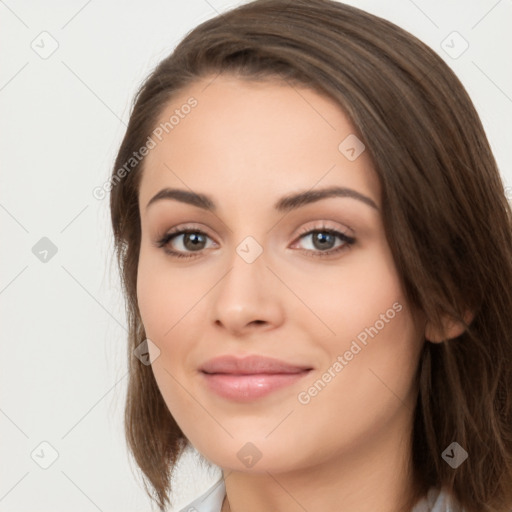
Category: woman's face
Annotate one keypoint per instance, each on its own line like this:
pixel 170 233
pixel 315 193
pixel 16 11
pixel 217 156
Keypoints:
pixel 258 280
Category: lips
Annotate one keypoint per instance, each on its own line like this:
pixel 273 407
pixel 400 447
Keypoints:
pixel 250 365
pixel 248 378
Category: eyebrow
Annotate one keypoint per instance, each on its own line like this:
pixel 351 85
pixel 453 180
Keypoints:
pixel 285 204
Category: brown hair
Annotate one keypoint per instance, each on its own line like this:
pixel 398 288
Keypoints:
pixel 447 221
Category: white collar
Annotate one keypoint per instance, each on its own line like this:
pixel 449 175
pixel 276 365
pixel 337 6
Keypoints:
pixel 210 501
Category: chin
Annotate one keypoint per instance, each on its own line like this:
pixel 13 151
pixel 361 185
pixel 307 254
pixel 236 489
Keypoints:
pixel 250 456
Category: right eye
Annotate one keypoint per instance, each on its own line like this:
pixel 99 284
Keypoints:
pixel 188 239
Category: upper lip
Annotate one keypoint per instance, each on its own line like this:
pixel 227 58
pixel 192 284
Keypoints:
pixel 248 365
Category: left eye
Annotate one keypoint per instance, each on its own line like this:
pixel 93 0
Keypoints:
pixel 323 240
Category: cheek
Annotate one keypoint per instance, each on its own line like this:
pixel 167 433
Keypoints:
pixel 347 299
pixel 158 300
pixel 372 329
pixel 368 300
pixel 152 302
pixel 376 317
pixel 161 310
pixel 169 305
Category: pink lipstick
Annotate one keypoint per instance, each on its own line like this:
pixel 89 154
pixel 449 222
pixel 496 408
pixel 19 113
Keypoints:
pixel 251 377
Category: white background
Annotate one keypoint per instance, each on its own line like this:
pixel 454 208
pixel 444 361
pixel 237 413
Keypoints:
pixel 63 357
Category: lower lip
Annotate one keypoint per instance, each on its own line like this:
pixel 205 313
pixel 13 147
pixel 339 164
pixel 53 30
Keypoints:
pixel 244 388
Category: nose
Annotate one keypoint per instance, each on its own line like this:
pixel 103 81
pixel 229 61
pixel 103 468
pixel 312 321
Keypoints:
pixel 248 298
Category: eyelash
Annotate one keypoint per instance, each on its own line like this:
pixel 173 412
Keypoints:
pixel 348 241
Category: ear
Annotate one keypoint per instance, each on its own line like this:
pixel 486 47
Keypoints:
pixel 451 328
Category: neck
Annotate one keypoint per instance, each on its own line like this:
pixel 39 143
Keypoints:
pixel 374 475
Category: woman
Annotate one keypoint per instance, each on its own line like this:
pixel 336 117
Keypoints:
pixel 315 244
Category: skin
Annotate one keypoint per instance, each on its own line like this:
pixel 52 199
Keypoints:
pixel 246 145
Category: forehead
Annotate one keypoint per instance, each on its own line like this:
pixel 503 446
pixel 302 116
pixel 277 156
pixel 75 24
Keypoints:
pixel 253 140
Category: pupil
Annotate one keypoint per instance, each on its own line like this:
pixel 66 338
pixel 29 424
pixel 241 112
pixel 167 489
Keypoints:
pixel 194 238
pixel 321 238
